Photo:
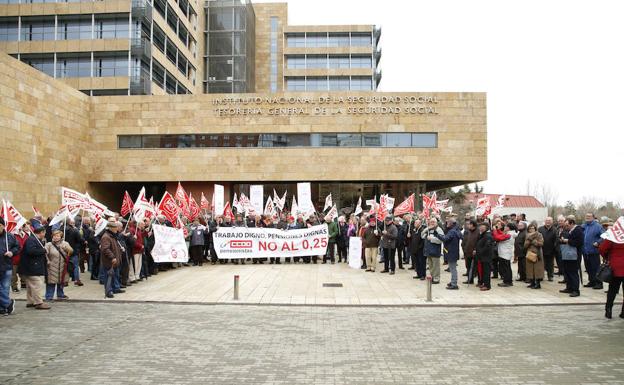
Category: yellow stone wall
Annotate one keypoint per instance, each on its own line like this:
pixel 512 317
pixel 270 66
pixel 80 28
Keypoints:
pixel 44 137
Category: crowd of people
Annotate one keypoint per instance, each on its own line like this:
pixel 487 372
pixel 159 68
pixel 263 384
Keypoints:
pixel 55 256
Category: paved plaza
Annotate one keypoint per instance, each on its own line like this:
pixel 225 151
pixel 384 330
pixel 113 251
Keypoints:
pixel 302 284
pixel 139 343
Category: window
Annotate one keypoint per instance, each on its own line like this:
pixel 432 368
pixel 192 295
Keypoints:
pixel 361 62
pixel 112 27
pixel 361 39
pixel 73 67
pixel 160 6
pixel 183 65
pixel 338 61
pixel 8 29
pixel 221 19
pixel 172 21
pixel 295 62
pixel 339 83
pixel 361 83
pixel 220 43
pixel 338 40
pixel 295 40
pixel 74 28
pixel 159 38
pixel 269 140
pixel 172 52
pixel 316 61
pixel 106 66
pixel 44 63
pixel 295 84
pixel 158 74
pixel 35 29
pixel 316 83
pixel 316 40
pixel 114 92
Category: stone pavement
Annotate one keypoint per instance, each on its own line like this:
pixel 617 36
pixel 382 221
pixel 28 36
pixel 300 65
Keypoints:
pixel 139 343
pixel 303 284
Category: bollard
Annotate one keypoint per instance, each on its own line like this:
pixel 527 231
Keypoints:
pixel 236 277
pixel 429 285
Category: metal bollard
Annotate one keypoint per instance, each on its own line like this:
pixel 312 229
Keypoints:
pixel 236 278
pixel 429 285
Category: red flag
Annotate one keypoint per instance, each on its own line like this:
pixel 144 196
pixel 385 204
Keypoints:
pixel 227 211
pixel 148 213
pixel 382 212
pixel 13 220
pixel 205 205
pixel 193 208
pixel 406 207
pixel 36 211
pixel 169 208
pixel 126 205
pixel 182 200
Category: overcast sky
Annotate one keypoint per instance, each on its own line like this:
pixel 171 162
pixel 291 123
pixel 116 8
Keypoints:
pixel 553 72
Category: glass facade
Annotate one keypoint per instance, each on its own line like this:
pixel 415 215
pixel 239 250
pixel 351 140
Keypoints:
pixel 328 61
pixel 230 47
pixel 325 39
pixel 414 140
pixel 329 83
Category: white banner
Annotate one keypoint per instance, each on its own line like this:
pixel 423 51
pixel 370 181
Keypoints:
pixel 256 197
pixel 304 198
pixel 355 252
pixel 616 232
pixel 219 199
pixel 169 245
pixel 240 242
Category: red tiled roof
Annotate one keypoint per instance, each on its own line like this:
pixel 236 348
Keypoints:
pixel 510 201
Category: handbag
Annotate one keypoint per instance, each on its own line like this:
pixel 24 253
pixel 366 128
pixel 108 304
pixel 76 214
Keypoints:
pixel 605 273
pixel 531 256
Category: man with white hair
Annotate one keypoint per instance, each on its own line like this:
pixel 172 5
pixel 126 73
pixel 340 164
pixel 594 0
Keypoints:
pixel 551 244
pixel 433 236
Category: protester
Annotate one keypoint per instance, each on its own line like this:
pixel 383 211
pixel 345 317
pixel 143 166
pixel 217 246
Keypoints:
pixel 571 245
pixel 483 252
pixel 614 255
pixel 21 237
pixel 73 237
pixel 533 247
pixel 32 267
pixel 593 230
pixel 416 249
pixel 432 249
pixel 505 236
pixel 451 250
pixel 57 255
pixel 561 228
pixel 388 244
pixel 520 252
pixel 370 242
pixel 469 245
pixel 9 247
pixel 549 250
pixel 110 257
pixel 332 228
pixel 197 234
pixel 342 239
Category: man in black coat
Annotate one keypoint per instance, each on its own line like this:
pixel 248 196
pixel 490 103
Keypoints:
pixel 32 268
pixel 416 249
pixel 484 251
pixel 519 252
pixel 73 237
pixel 551 244
pixel 93 246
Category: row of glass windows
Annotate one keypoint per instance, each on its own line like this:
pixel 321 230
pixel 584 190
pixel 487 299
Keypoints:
pixel 174 22
pixel 67 28
pixel 177 58
pixel 80 64
pixel 229 18
pixel 329 83
pixel 339 39
pixel 328 61
pixel 416 140
pixel 165 80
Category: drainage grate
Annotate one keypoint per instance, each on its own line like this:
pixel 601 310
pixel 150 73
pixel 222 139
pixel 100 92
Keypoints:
pixel 332 285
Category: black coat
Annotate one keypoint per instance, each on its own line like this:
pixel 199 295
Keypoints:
pixel 91 239
pixel 485 247
pixel 342 239
pixel 416 243
pixel 13 246
pixel 73 237
pixel 33 260
pixel 519 251
pixel 551 241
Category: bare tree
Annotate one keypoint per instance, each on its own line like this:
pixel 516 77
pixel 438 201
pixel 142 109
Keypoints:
pixel 544 193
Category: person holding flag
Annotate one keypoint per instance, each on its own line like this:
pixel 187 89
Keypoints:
pixel 8 248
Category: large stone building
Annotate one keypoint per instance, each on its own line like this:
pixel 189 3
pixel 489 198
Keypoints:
pixel 143 47
pixel 266 103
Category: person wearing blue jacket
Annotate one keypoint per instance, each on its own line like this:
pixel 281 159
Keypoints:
pixel 592 240
pixel 8 248
pixel 451 250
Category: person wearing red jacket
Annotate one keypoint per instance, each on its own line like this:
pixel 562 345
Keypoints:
pixel 614 254
pixel 21 238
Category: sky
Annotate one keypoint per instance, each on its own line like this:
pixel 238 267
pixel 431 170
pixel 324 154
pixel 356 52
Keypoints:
pixel 553 72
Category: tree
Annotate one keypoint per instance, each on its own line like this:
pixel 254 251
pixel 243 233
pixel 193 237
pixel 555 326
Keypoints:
pixel 478 189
